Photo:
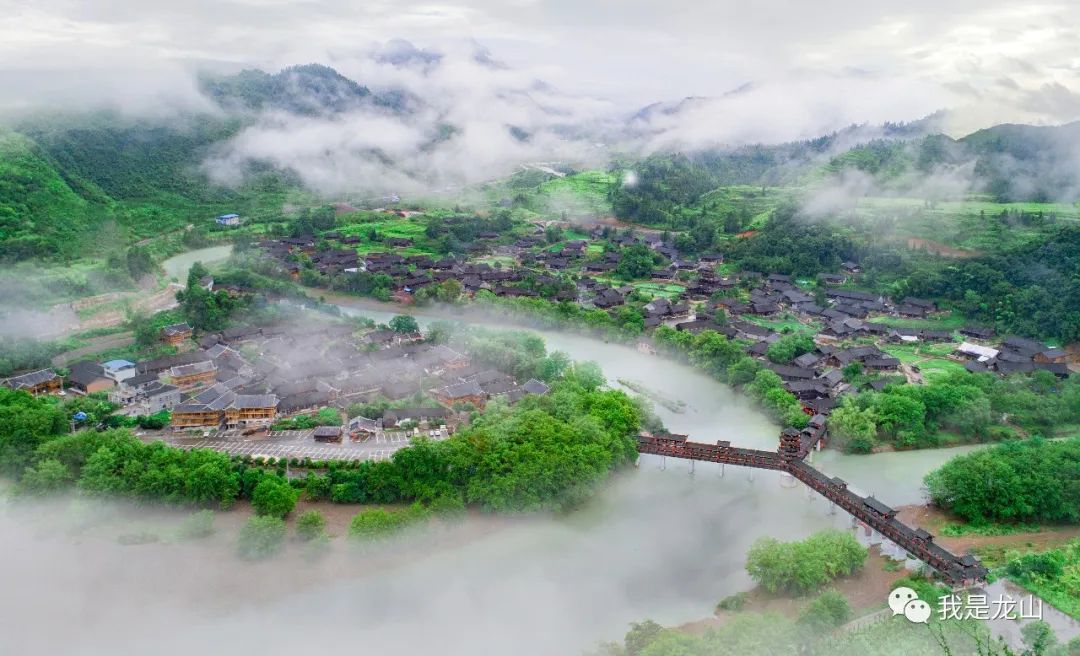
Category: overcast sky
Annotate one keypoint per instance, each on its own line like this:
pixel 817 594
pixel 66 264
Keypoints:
pixel 854 59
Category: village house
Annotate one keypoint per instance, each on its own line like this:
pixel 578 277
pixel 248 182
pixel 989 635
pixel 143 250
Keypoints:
pixel 976 352
pixel 157 397
pixel 467 392
pixel 362 428
pixel 251 410
pixel 327 434
pixel 197 374
pixel 89 377
pixel 228 220
pixel 42 381
pixel 219 405
pixel 977 332
pixel 119 370
pixel 176 333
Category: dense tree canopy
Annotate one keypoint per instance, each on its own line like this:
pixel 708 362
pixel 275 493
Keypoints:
pixel 1033 480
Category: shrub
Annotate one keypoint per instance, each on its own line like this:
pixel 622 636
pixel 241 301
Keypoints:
pixel 261 537
pixel 733 602
pixel 197 525
pixel 828 610
pixel 274 497
pixel 802 566
pixel 310 525
pixel 378 523
pixel 447 505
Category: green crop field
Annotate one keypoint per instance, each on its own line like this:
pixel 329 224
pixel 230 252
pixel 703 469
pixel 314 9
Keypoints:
pixel 668 291
pixel 946 321
pixel 784 324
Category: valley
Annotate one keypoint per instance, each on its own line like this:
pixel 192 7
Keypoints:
pixel 427 349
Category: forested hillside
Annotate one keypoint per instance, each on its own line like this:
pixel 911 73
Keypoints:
pixel 65 177
pixel 31 188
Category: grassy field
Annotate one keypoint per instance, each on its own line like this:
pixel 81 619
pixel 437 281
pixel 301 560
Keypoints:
pixel 575 196
pixel 654 289
pixel 974 225
pixel 757 202
pixel 785 323
pixel 395 227
pixel 931 359
pixel 946 321
pixel 939 367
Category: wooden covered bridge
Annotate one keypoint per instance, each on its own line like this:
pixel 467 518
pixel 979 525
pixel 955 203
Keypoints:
pixel 789 458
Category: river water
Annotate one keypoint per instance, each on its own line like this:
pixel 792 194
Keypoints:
pixel 177 266
pixel 663 541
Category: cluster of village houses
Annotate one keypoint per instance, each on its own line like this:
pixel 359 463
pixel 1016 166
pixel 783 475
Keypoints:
pixel 845 313
pixel 297 370
pixel 326 366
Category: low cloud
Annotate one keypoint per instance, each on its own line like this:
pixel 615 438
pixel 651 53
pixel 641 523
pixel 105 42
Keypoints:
pixel 658 544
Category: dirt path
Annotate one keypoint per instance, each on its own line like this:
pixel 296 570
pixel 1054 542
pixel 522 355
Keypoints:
pixel 95 345
pixel 933 520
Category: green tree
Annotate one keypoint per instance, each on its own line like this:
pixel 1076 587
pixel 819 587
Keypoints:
pixel 404 324
pixel 310 525
pixel 827 611
pixel 273 497
pixel 896 413
pixel 198 525
pixel 789 347
pixel 635 261
pixel 853 429
pixel 587 374
pixel 1038 637
pixel 213 481
pixel 261 537
pixel 1030 481
pixel 641 635
pixel 46 477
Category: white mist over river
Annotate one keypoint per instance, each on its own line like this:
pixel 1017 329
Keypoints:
pixel 657 543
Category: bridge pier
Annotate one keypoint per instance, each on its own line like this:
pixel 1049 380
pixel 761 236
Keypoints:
pixel 692 467
pixel 721 470
pixel 866 535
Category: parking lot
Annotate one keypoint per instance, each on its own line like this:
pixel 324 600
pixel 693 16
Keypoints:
pixel 279 450
pixel 294 444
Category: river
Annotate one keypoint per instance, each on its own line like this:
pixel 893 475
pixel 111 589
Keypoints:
pixel 177 266
pixel 661 541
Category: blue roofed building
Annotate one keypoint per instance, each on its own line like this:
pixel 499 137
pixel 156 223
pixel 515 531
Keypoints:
pixel 119 370
pixel 229 220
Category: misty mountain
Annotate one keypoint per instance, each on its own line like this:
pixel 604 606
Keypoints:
pixel 66 174
pixel 310 90
pixel 399 52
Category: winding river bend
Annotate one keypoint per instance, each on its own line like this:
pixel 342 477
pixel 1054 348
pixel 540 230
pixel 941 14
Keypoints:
pixel 658 542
